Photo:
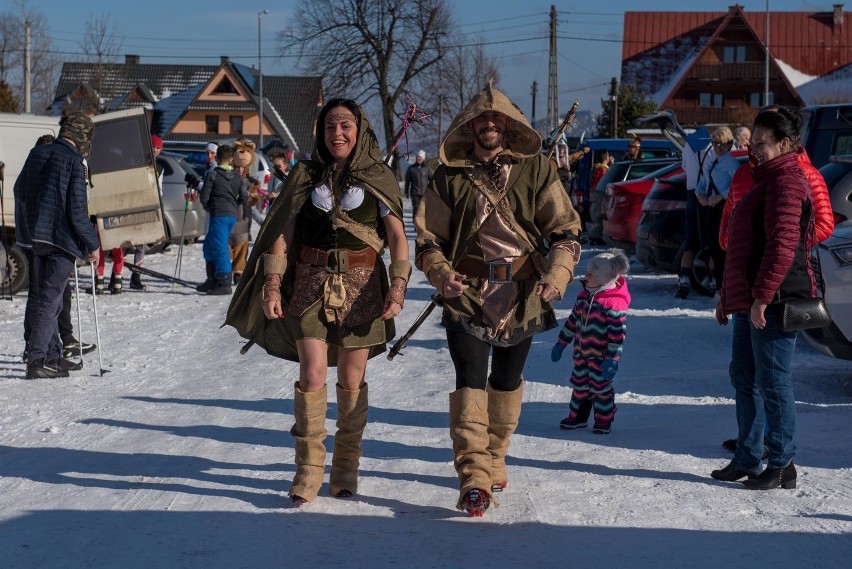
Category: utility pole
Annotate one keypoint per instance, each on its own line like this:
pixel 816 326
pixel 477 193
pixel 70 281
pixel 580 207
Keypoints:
pixel 766 61
pixel 553 79
pixel 440 119
pixel 260 14
pixel 613 92
pixel 534 92
pixel 27 76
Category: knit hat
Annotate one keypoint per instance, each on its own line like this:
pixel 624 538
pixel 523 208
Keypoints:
pixel 421 154
pixel 212 147
pixel 608 266
pixel 156 141
pixel 79 129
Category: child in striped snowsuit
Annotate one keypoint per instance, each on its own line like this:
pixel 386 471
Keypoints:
pixel 596 330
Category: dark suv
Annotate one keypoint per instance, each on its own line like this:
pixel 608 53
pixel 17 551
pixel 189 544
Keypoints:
pixel 826 131
pixel 618 172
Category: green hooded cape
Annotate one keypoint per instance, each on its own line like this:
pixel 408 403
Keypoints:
pixel 367 170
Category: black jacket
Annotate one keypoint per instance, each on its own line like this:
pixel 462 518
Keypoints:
pixel 223 192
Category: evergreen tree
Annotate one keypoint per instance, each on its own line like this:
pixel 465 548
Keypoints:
pixel 632 104
pixel 8 103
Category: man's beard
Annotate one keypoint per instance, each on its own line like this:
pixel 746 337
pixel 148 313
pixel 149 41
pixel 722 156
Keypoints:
pixel 485 143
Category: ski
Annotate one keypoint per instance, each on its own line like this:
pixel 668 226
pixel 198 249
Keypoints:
pixel 161 276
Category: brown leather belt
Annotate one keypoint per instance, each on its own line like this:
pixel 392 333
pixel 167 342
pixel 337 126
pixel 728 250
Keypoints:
pixel 338 260
pixel 498 272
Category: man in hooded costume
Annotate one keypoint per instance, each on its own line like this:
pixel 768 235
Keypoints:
pixel 498 238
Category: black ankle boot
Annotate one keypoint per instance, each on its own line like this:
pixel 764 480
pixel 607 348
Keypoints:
pixel 99 286
pixel 772 478
pixel 136 281
pixel 730 473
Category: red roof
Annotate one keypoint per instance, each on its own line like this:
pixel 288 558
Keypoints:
pixel 809 42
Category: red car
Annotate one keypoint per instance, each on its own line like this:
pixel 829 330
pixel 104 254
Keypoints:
pixel 623 206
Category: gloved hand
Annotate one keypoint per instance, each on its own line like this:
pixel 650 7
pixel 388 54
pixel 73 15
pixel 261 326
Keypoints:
pixel 608 368
pixel 556 352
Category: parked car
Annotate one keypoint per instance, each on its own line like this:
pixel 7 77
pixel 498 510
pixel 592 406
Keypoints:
pixel 835 261
pixel 826 131
pixel 838 178
pixel 618 172
pixel 623 207
pixel 196 155
pixel 180 218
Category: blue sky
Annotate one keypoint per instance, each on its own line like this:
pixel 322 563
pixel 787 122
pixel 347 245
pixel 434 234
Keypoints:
pixel 515 33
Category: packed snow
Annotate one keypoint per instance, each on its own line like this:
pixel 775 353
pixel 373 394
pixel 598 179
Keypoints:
pixel 179 456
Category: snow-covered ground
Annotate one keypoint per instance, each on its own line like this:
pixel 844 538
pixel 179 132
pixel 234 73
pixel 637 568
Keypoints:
pixel 180 457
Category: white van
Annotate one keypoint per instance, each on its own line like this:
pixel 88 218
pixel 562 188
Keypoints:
pixel 124 197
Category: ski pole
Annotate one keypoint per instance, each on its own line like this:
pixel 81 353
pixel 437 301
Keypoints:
pixel 179 261
pixel 97 328
pixel 79 320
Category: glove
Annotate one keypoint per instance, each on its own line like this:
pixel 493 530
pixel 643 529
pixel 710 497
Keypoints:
pixel 608 368
pixel 556 352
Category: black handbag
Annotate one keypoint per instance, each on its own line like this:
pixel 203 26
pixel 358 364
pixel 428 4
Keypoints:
pixel 804 314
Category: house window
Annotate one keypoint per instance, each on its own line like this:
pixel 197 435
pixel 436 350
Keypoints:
pixel 236 124
pixel 212 123
pixel 710 100
pixel 756 99
pixel 225 87
pixel 734 54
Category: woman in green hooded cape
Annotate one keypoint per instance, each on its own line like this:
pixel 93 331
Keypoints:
pixel 315 289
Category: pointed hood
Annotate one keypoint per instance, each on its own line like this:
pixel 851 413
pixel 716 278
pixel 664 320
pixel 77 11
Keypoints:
pixel 521 139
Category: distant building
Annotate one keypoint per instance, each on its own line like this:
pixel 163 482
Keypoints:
pixel 197 102
pixel 709 66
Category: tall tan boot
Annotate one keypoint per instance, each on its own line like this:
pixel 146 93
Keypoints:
pixel 351 420
pixel 309 433
pixel 504 410
pixel 469 432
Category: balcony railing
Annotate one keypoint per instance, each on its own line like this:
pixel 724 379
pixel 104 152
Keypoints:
pixel 731 72
pixel 713 115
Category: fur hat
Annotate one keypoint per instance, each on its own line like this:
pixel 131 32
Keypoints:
pixel 79 129
pixel 609 265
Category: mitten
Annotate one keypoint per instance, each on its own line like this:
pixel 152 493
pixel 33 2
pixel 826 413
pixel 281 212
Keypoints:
pixel 608 368
pixel 556 352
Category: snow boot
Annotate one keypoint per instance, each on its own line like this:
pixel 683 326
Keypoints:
pixel 309 433
pixel 351 421
pixel 136 281
pixel 504 410
pixel 469 433
pixel 211 278
pixel 579 410
pixel 222 285
pixel 605 408
pixel 99 286
pixel 115 284
pixel 683 286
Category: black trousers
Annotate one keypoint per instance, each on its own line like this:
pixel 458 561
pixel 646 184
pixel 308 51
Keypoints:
pixel 52 266
pixel 66 328
pixel 470 358
pixel 709 220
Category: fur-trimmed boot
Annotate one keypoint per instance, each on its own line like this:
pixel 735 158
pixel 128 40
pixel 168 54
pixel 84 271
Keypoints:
pixel 351 421
pixel 504 410
pixel 309 433
pixel 469 432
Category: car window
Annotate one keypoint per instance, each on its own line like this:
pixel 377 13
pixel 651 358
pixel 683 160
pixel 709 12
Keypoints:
pixel 639 170
pixel 120 145
pixel 843 144
pixel 166 166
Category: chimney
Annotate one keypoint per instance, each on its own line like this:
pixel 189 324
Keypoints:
pixel 131 59
pixel 838 14
pixel 225 59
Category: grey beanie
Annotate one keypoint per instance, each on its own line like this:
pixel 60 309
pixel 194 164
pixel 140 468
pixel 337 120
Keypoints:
pixel 79 129
pixel 610 265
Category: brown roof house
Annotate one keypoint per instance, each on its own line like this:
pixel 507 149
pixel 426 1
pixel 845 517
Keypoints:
pixel 198 102
pixel 709 67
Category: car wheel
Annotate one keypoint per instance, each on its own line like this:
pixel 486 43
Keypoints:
pixel 18 272
pixel 701 272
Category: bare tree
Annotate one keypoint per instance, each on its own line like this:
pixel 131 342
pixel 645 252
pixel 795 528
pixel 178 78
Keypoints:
pixel 44 64
pixel 101 46
pixel 370 49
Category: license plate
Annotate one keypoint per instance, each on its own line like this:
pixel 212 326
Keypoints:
pixel 113 221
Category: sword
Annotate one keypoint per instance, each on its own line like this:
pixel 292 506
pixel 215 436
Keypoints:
pixel 436 298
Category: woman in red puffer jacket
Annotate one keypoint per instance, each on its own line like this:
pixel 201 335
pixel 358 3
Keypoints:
pixel 771 233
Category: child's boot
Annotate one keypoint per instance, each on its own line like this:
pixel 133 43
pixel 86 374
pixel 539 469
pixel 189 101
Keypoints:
pixel 579 410
pixel 605 408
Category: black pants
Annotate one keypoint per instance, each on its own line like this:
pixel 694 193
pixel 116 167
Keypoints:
pixel 52 267
pixel 470 357
pixel 709 221
pixel 66 329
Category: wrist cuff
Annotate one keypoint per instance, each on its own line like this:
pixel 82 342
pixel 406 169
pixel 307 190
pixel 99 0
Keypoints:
pixel 276 264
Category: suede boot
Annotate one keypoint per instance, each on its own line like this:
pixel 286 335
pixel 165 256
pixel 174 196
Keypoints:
pixel 469 433
pixel 211 278
pixel 351 421
pixel 309 433
pixel 504 410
